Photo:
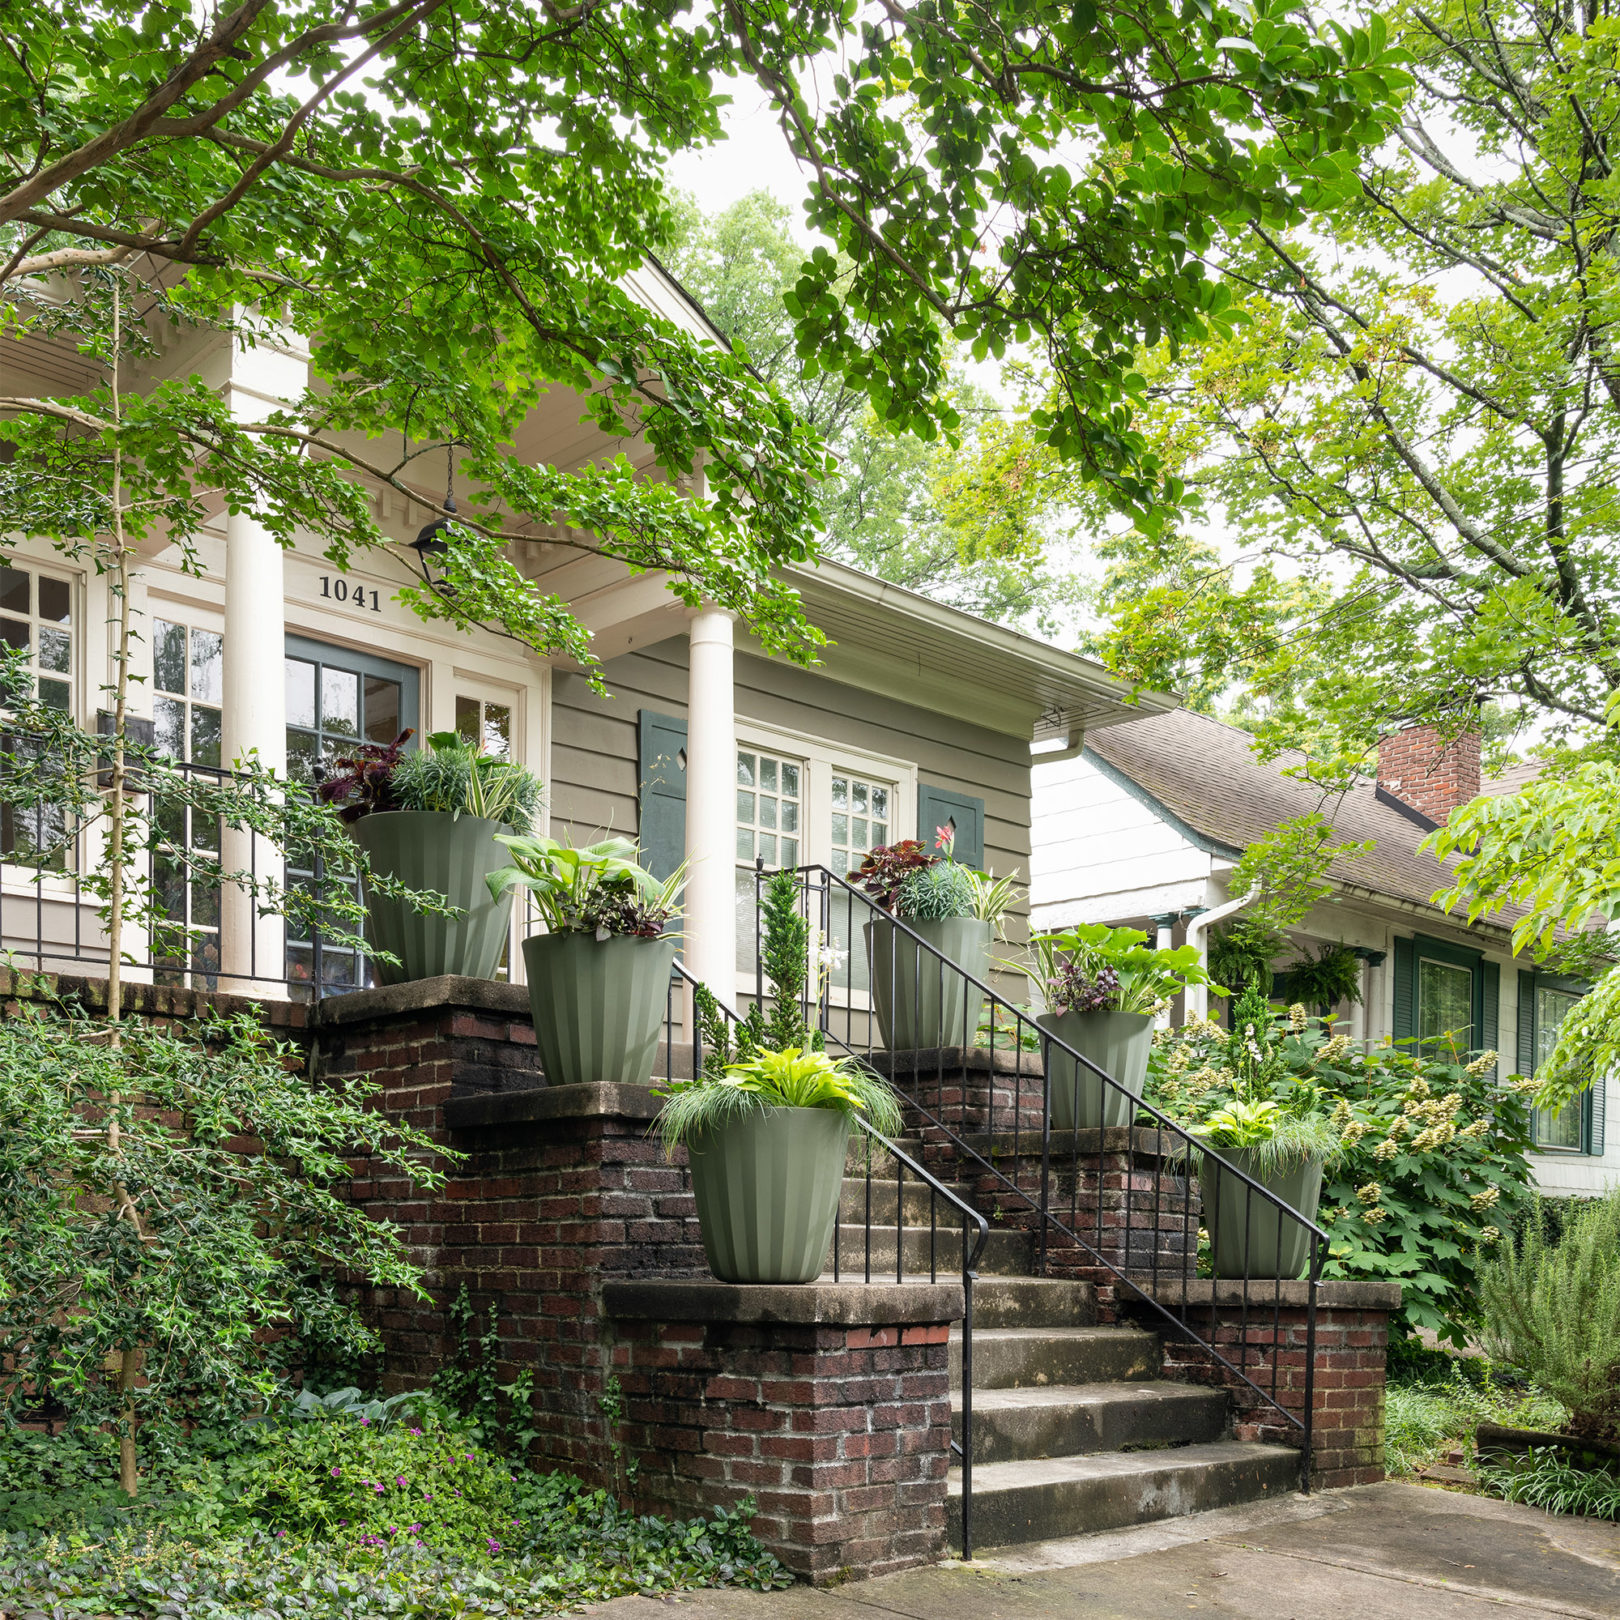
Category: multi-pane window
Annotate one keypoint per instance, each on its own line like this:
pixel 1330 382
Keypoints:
pixel 770 827
pixel 335 699
pixel 1445 1007
pixel 1559 1129
pixel 486 724
pixel 860 820
pixel 188 670
pixel 36 620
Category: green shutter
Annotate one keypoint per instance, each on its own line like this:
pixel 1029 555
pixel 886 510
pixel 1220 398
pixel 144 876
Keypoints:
pixel 1489 976
pixel 942 807
pixel 1594 1116
pixel 1405 1016
pixel 662 794
pixel 1527 1021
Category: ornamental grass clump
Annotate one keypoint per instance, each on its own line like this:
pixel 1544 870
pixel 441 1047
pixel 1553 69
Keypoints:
pixel 455 777
pixel 776 1079
pixel 1552 1307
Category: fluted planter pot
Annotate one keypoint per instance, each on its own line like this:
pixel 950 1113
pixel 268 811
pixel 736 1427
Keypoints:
pixel 1249 1235
pixel 1119 1044
pixel 766 1185
pixel 920 1003
pixel 597 1004
pixel 451 855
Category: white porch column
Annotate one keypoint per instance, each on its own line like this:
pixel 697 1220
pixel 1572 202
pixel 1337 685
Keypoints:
pixel 710 921
pixel 254 718
pixel 1164 939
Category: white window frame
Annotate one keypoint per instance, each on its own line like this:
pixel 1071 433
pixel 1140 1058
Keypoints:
pixel 820 759
pixel 21 882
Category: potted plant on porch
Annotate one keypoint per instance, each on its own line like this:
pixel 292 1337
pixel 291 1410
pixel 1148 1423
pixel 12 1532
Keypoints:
pixel 766 1139
pixel 1102 987
pixel 933 901
pixel 430 818
pixel 599 975
pixel 1273 1127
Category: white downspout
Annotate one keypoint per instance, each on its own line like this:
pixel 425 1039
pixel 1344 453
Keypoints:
pixel 1198 937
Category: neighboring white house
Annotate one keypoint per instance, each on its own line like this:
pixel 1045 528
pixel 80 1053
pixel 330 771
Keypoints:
pixel 1144 824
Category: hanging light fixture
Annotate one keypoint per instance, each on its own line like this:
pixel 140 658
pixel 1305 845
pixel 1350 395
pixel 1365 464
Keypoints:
pixel 434 541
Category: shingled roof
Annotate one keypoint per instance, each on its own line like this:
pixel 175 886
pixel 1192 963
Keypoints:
pixel 1206 776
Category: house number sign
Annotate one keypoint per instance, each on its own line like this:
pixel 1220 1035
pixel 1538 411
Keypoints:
pixel 356 596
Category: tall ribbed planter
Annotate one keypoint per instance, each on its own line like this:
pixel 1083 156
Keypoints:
pixel 767 1186
pixel 451 855
pixel 597 1004
pixel 1250 1236
pixel 920 1003
pixel 1119 1044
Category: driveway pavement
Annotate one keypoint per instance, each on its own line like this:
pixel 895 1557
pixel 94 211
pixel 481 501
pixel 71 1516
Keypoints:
pixel 1381 1552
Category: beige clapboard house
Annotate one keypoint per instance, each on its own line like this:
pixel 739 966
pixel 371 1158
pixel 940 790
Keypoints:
pixel 704 748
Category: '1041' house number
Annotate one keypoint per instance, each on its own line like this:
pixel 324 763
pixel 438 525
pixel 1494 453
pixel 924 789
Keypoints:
pixel 359 597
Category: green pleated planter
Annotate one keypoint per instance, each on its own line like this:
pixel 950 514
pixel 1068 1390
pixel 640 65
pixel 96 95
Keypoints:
pixel 451 855
pixel 1119 1044
pixel 598 1004
pixel 1250 1236
pixel 767 1186
pixel 920 1003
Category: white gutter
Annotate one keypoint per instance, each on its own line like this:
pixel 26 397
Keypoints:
pixel 1197 1002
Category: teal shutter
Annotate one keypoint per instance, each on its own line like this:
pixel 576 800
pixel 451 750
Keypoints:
pixel 662 793
pixel 1405 1016
pixel 1527 1022
pixel 1490 1009
pixel 1594 1115
pixel 942 807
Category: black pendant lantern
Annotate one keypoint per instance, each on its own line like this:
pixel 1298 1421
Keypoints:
pixel 433 541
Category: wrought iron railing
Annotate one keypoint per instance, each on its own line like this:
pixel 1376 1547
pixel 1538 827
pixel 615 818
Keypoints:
pixel 956 1232
pixel 1140 1232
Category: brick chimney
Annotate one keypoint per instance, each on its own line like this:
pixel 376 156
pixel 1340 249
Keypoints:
pixel 1425 772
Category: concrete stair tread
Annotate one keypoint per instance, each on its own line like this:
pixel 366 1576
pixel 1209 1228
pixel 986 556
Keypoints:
pixel 1147 1389
pixel 1101 1465
pixel 1085 1331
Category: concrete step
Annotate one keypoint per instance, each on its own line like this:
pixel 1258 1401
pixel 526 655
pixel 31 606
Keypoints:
pixel 1005 1253
pixel 1032 1302
pixel 1012 1425
pixel 1029 1358
pixel 1042 1500
pixel 917 1195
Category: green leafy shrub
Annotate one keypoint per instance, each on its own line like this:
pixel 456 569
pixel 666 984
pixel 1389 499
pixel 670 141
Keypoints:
pixel 1553 1308
pixel 1424 1421
pixel 170 1271
pixel 1433 1167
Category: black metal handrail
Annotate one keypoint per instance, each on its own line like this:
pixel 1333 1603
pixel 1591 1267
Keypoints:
pixel 975 1228
pixel 1171 1255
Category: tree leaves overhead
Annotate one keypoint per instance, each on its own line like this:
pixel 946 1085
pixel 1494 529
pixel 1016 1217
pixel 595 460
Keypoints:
pixel 1423 412
pixel 444 198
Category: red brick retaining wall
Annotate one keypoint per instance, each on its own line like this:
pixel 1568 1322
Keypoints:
pixel 837 1422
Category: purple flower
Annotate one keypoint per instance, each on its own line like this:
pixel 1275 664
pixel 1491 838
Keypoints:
pixel 281 1533
pixel 365 1423
pixel 427 1496
pixel 378 1489
pixel 416 1431
pixel 494 1545
pixel 336 1472
pixel 399 1479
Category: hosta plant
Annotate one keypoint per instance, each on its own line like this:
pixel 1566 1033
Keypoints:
pixel 601 889
pixel 1095 968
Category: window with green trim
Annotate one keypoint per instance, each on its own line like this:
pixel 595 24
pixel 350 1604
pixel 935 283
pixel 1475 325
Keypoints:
pixel 1446 998
pixel 1545 1001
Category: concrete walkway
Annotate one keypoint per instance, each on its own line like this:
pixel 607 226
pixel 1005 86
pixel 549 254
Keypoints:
pixel 1382 1552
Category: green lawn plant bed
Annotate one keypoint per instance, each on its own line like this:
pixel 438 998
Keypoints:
pixel 341 1517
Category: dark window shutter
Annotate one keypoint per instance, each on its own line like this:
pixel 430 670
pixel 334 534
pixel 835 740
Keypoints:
pixel 1527 1021
pixel 1490 1009
pixel 941 807
pixel 1405 1016
pixel 1594 1115
pixel 662 833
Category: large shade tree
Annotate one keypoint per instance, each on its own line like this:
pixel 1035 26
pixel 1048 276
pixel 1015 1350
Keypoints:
pixel 445 195
pixel 1416 434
